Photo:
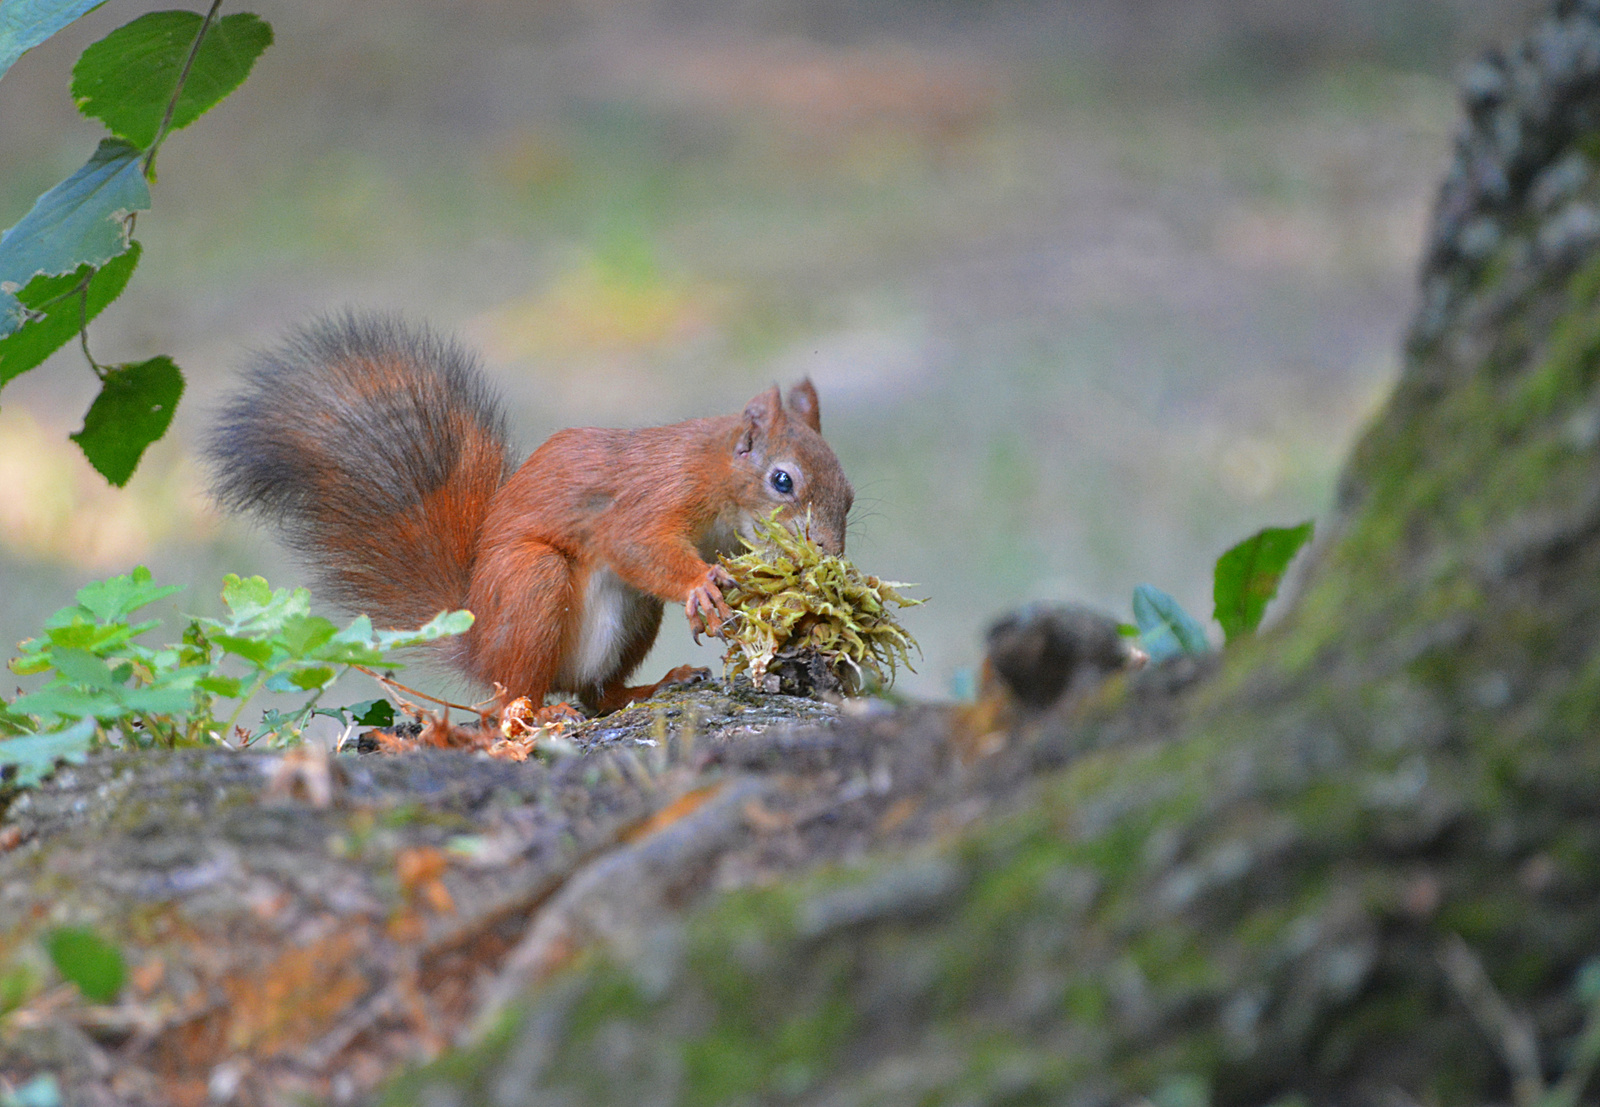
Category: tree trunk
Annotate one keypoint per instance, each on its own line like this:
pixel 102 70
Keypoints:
pixel 1360 864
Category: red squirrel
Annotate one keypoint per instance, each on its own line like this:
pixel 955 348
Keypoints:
pixel 380 452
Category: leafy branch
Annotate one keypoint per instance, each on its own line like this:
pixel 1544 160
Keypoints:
pixel 108 689
pixel 72 254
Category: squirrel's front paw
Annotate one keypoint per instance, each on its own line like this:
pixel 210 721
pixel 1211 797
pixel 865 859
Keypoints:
pixel 705 607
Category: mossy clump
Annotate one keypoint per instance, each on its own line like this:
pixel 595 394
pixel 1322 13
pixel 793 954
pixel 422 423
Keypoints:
pixel 789 597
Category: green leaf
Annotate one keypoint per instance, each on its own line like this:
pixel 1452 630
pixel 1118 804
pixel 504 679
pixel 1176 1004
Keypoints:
pixel 222 685
pixel 35 755
pixel 117 598
pixel 63 311
pixel 304 633
pixel 372 713
pixel 82 667
pixel 254 650
pixel 313 677
pixel 24 24
pixel 255 605
pixel 1247 576
pixel 81 221
pixel 29 663
pixel 70 703
pixel 89 961
pixel 446 624
pixel 134 409
pixel 245 595
pixel 127 79
pixel 156 701
pixel 1166 629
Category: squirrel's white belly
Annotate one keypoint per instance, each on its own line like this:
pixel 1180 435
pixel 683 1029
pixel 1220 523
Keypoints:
pixel 614 614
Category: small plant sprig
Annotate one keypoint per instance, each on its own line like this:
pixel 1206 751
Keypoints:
pixel 789 596
pixel 107 689
pixel 1244 581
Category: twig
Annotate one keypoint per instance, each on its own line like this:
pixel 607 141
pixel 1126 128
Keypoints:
pixel 1509 1031
pixel 395 685
pixel 183 78
pixel 83 327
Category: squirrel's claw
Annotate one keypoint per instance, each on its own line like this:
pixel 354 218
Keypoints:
pixel 705 607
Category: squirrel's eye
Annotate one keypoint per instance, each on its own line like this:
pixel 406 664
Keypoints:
pixel 781 482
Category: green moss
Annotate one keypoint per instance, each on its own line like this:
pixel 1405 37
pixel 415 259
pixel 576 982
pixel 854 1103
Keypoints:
pixel 743 1055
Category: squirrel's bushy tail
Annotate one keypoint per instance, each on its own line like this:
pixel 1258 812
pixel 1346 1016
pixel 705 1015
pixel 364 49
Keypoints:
pixel 375 448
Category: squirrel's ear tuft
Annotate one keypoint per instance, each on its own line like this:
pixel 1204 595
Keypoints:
pixel 761 415
pixel 803 404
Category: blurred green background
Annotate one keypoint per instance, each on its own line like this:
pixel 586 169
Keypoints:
pixel 1090 290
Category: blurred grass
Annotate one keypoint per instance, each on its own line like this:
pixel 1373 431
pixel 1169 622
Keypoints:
pixel 1090 290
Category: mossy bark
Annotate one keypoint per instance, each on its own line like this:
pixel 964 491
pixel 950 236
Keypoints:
pixel 1290 883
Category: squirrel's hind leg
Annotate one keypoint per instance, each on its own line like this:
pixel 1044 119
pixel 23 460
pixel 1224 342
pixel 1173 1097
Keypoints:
pixel 522 597
pixel 616 696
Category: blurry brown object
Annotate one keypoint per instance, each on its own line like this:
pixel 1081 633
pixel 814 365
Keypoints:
pixel 1046 651
pixel 1038 657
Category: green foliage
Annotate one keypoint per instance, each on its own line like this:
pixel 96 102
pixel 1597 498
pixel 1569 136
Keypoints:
pixel 1166 630
pixel 60 306
pixel 1247 576
pixel 105 688
pixel 89 961
pixel 81 221
pixel 1244 581
pixel 73 252
pixel 129 79
pixel 133 409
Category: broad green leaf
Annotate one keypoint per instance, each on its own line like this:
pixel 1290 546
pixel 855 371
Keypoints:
pixel 358 633
pixel 1165 628
pixel 244 595
pixel 119 597
pixel 259 608
pixel 83 667
pixel 311 678
pixel 372 713
pixel 35 755
pixel 1247 576
pixel 88 960
pixel 134 409
pixel 24 24
pixel 64 311
pixel 156 701
pixel 81 221
pixel 304 633
pixel 222 685
pixel 70 703
pixel 127 79
pixel 254 650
